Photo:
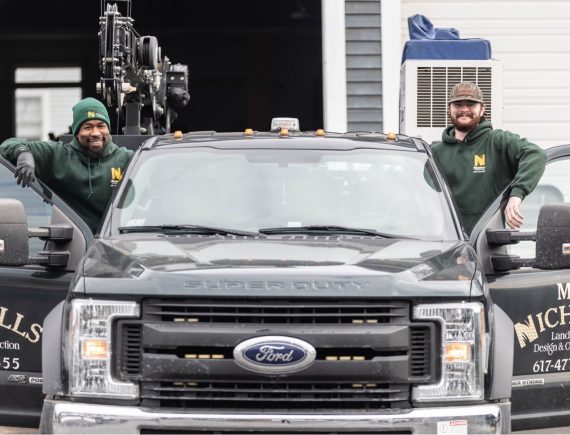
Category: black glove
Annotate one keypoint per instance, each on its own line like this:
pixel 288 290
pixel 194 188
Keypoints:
pixel 25 168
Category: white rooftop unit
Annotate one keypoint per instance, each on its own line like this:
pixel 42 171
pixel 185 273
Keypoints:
pixel 425 86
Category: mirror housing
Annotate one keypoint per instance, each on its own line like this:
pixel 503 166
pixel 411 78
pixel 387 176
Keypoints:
pixel 13 233
pixel 553 237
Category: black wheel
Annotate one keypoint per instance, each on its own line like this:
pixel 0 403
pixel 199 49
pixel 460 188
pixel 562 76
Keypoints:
pixel 148 52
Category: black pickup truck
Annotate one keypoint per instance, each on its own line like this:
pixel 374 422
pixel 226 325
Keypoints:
pixel 283 282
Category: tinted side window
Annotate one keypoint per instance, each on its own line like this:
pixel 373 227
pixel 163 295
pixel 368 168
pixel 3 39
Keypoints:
pixel 39 212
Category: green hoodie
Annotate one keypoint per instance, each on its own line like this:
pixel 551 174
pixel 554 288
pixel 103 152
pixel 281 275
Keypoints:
pixel 478 168
pixel 84 183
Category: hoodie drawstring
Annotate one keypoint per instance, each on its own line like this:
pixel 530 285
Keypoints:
pixel 90 186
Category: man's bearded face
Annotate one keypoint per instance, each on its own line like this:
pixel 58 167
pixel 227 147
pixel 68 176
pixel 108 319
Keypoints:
pixel 94 137
pixel 465 115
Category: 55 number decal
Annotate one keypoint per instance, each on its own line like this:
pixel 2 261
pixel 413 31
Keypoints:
pixel 8 363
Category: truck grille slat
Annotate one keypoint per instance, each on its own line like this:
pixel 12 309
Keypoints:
pixel 276 390
pixel 268 399
pixel 276 306
pixel 297 315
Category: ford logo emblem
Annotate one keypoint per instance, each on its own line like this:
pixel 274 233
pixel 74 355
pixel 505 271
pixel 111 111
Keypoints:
pixel 274 354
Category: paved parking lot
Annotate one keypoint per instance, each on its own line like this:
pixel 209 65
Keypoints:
pixel 17 430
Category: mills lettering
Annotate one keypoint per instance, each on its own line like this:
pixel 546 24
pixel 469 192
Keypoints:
pixel 33 334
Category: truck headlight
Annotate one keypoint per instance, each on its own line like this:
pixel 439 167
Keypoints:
pixel 90 335
pixel 463 352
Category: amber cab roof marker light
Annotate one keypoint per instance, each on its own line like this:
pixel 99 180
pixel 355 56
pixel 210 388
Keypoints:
pixel 248 132
pixel 391 136
pixel 320 132
pixel 177 134
pixel 283 132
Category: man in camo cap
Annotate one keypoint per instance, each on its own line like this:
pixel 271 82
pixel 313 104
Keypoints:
pixel 479 162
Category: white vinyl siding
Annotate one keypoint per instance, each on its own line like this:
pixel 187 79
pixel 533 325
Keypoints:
pixel 532 39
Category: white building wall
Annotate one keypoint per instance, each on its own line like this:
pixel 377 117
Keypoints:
pixel 391 54
pixel 334 65
pixel 532 39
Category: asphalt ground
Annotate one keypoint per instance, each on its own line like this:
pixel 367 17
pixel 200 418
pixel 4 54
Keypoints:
pixel 17 430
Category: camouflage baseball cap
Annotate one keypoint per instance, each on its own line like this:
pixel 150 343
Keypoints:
pixel 466 91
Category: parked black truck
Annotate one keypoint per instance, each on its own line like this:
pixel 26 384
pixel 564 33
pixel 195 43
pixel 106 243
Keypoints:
pixel 280 281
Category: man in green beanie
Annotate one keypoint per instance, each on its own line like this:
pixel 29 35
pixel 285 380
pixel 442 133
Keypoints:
pixel 479 162
pixel 82 172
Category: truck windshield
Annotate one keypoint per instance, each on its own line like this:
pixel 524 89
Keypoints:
pixel 251 189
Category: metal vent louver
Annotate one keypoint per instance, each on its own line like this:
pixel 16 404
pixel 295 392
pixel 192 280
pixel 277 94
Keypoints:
pixel 132 350
pixel 434 84
pixel 420 351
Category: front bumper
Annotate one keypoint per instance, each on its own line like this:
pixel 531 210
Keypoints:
pixel 69 417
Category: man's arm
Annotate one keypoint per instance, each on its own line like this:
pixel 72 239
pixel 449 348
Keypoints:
pixel 42 153
pixel 530 161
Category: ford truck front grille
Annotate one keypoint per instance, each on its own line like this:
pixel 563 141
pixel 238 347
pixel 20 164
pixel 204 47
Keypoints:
pixel 368 353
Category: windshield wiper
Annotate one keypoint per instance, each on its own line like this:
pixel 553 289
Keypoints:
pixel 194 229
pixel 330 229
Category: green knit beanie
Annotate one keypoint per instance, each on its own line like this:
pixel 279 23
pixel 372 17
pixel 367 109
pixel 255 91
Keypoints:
pixel 86 110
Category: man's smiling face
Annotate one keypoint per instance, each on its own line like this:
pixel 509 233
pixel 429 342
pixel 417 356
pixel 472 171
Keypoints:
pixel 94 137
pixel 465 114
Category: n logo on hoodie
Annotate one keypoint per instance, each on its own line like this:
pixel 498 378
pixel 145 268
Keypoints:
pixel 478 163
pixel 116 176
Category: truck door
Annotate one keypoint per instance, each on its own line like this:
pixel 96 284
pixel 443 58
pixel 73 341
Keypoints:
pixel 27 294
pixel 538 303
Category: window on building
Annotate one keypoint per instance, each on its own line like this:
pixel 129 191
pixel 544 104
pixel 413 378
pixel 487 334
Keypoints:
pixel 44 98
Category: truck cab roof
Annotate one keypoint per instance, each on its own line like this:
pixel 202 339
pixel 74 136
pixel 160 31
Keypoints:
pixel 289 139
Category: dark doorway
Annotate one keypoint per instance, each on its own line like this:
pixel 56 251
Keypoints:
pixel 248 60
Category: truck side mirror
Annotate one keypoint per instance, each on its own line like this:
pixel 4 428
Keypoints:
pixel 553 237
pixel 13 233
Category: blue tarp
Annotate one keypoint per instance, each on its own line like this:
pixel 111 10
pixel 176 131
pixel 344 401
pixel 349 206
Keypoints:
pixel 420 27
pixel 427 42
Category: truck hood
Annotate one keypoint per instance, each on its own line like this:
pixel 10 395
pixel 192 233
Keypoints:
pixel 151 264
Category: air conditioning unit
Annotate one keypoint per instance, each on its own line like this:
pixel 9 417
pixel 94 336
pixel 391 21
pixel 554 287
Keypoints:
pixel 425 86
